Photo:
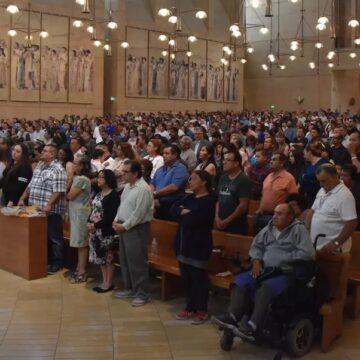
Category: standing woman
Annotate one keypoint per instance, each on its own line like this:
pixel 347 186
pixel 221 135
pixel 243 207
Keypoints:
pixel 16 176
pixel 154 150
pixel 296 162
pixel 193 244
pixel 79 211
pixel 104 209
pixel 206 160
pixel 66 159
pixel 124 151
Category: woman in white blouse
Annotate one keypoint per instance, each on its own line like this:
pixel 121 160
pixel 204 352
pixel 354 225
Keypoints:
pixel 154 149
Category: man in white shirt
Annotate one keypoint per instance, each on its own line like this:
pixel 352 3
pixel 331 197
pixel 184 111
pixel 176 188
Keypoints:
pixel 333 212
pixel 132 222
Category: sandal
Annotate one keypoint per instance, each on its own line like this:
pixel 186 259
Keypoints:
pixel 79 278
pixel 72 275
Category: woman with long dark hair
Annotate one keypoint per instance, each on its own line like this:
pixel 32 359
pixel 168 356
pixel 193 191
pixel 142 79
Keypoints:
pixel 66 158
pixel 17 175
pixel 206 160
pixel 104 209
pixel 296 162
pixel 193 244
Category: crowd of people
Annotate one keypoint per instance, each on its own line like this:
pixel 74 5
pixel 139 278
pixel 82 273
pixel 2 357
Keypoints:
pixel 110 175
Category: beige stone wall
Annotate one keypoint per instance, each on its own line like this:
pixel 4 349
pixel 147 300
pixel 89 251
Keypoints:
pixel 262 92
pixel 345 85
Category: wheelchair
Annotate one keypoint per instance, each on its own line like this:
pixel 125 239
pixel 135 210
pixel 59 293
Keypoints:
pixel 291 322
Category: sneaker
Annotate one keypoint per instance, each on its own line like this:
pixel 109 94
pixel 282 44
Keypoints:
pixel 245 331
pixel 139 302
pixel 225 320
pixel 184 315
pixel 200 318
pixel 124 294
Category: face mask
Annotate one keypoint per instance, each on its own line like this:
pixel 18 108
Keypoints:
pixel 253 161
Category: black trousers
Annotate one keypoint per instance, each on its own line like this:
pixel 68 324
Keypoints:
pixel 196 287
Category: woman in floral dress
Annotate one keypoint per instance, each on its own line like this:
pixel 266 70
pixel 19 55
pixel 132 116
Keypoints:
pixel 104 209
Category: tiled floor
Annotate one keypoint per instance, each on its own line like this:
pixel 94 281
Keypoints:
pixel 52 319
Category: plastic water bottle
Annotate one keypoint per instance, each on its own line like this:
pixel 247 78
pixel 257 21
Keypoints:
pixel 312 282
pixel 154 247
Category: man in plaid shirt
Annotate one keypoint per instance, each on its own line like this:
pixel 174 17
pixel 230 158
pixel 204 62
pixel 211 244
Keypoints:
pixel 47 190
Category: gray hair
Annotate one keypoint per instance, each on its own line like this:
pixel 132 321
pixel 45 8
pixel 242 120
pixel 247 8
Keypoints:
pixel 327 169
pixel 186 139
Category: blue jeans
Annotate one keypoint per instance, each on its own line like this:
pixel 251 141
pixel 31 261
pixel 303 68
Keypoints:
pixel 55 240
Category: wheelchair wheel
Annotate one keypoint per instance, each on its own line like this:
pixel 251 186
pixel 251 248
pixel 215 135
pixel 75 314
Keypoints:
pixel 300 338
pixel 226 340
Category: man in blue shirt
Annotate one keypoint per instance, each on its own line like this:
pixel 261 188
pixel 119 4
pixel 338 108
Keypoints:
pixel 169 182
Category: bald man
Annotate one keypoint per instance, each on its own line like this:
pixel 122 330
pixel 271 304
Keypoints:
pixel 277 246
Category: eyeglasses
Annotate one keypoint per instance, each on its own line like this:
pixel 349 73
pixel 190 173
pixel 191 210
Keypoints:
pixel 228 160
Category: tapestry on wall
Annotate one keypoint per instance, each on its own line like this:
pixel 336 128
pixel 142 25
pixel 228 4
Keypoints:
pixel 231 82
pixel 178 77
pixel 158 67
pixel 54 59
pixel 81 73
pixel 197 71
pixel 136 75
pixel 215 72
pixel 4 61
pixel 25 61
pixel 179 72
pixel 4 55
pixel 137 63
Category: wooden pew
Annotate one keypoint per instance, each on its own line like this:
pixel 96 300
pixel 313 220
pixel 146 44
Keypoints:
pixel 335 267
pixel 165 261
pixel 234 246
pixel 354 275
pixel 225 246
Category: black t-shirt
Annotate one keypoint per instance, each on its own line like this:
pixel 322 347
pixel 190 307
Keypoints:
pixel 340 155
pixel 230 192
pixel 14 183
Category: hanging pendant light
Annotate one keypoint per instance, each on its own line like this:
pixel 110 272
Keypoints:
pixel 86 7
pixel 268 12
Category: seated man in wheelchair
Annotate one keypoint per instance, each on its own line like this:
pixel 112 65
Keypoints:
pixel 283 242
